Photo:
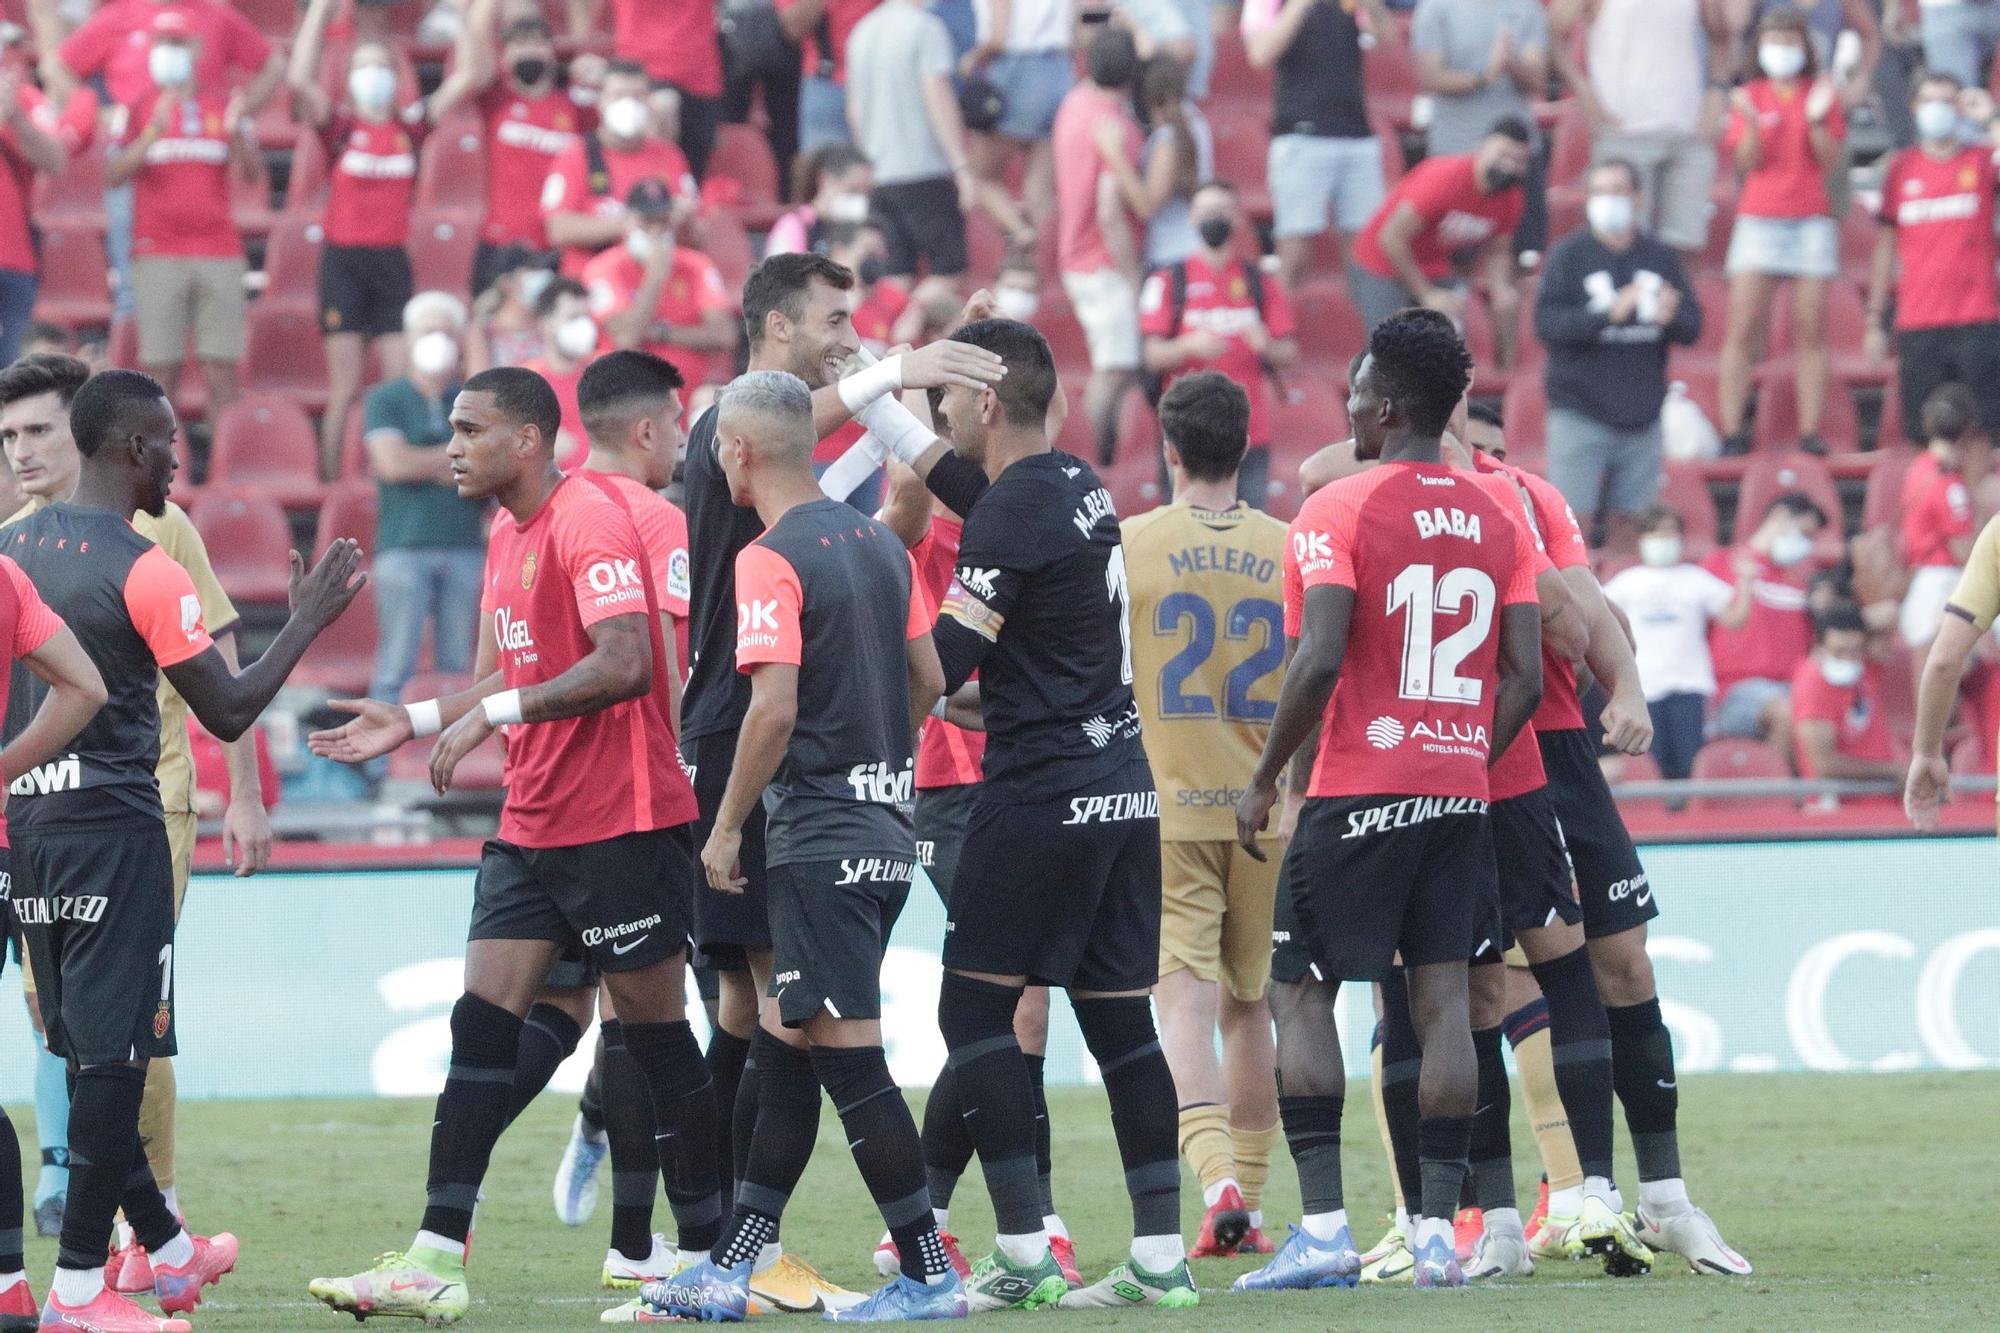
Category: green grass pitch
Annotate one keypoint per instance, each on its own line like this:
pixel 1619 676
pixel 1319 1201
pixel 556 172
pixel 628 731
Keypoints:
pixel 1860 1199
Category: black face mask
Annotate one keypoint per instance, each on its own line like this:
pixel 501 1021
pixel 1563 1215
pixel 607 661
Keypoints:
pixel 1215 231
pixel 870 270
pixel 1502 179
pixel 530 70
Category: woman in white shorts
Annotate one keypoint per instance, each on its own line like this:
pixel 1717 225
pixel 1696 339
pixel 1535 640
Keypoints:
pixel 1785 133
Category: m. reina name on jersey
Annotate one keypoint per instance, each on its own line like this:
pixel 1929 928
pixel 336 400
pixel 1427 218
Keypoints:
pixel 1096 506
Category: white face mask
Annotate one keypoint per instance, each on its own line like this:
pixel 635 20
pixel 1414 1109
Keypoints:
pixel 171 65
pixel 1659 550
pixel 1609 214
pixel 626 118
pixel 576 336
pixel 847 208
pixel 1843 673
pixel 1937 120
pixel 1781 60
pixel 1016 303
pixel 373 87
pixel 434 354
pixel 1790 548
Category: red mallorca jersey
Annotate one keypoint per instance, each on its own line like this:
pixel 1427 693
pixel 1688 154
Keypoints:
pixel 1860 731
pixel 1432 557
pixel 524 137
pixel 1561 539
pixel 26 623
pixel 663 531
pixel 693 289
pixel 1778 635
pixel 73 129
pixel 1519 770
pixel 117 43
pixel 947 755
pixel 1937 509
pixel 1221 304
pixel 577 562
pixel 180 198
pixel 673 39
pixel 1456 215
pixel 373 176
pixel 570 188
pixel 1943 215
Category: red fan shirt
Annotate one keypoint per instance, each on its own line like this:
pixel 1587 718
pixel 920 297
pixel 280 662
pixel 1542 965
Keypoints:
pixel 1937 510
pixel 1943 215
pixel 180 198
pixel 73 128
pixel 693 289
pixel 1789 182
pixel 1861 732
pixel 524 137
pixel 1221 303
pixel 570 187
pixel 117 42
pixel 673 39
pixel 373 176
pixel 1457 215
pixel 1778 634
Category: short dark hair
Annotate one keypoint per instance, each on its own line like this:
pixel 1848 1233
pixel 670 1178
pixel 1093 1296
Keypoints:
pixel 812 169
pixel 1112 58
pixel 1950 413
pixel 1932 74
pixel 1511 127
pixel 1030 383
pixel 1799 505
pixel 1661 513
pixel 528 25
pixel 1206 417
pixel 614 386
pixel 101 404
pixel 780 283
pixel 522 395
pixel 1422 365
pixel 1844 616
pixel 1787 18
pixel 558 288
pixel 1487 413
pixel 1624 164
pixel 625 69
pixel 40 373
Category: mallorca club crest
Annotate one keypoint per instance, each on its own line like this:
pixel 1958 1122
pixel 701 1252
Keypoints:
pixel 162 1020
pixel 528 571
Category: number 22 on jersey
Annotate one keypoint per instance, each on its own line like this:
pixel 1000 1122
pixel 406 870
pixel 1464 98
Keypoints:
pixel 1253 632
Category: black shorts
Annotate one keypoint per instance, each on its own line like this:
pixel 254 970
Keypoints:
pixel 1927 359
pixel 1065 892
pixel 1368 878
pixel 1610 882
pixel 489 261
pixel 921 221
pixel 727 925
pixel 830 928
pixel 700 116
pixel 1535 888
pixel 941 819
pixel 363 289
pixel 621 903
pixel 96 907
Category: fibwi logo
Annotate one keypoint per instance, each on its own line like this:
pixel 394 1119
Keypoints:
pixel 757 623
pixel 64 774
pixel 1385 733
pixel 878 784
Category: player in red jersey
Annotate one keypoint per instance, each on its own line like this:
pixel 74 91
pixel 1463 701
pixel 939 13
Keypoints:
pixel 593 852
pixel 35 636
pixel 1393 853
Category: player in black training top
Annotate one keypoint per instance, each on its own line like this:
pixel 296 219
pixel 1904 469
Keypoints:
pixel 797 316
pixel 93 876
pixel 1037 606
pixel 835 637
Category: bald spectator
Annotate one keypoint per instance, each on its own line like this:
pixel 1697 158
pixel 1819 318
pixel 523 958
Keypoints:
pixel 660 296
pixel 582 200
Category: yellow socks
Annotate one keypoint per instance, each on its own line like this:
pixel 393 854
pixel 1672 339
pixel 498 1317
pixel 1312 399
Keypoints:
pixel 1253 1161
pixel 1536 1066
pixel 1205 1143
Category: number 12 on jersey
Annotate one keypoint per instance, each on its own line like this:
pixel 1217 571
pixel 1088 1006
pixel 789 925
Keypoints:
pixel 1430 667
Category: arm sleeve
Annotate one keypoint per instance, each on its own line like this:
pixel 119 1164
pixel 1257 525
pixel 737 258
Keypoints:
pixel 601 554
pixel 769 602
pixel 34 622
pixel 663 532
pixel 1978 590
pixel 1278 321
pixel 177 537
pixel 957 481
pixel 1562 535
pixel 1156 313
pixel 1813 700
pixel 1323 548
pixel 933 50
pixel 165 609
pixel 562 192
pixel 1527 561
pixel 247 48
pixel 1714 593
pixel 1427 27
pixel 86 50
pixel 77 125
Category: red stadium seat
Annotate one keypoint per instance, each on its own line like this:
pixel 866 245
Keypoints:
pixel 1683 489
pixel 250 200
pixel 1889 430
pixel 1882 505
pixel 1740 759
pixel 75 289
pixel 441 247
pixel 1312 407
pixel 742 153
pixel 1232 78
pixel 191 403
pixel 1067 344
pixel 1846 326
pixel 266 445
pixel 284 356
pixel 348 511
pixel 274 18
pixel 1392 69
pixel 291 262
pixel 353 447
pixel 1770 475
pixel 721 237
pixel 76 195
pixel 985 249
pixel 451 171
pixel 1134 484
pixel 1711 290
pixel 1074 438
pixel 1138 429
pixel 1329 326
pixel 1636 768
pixel 1777 425
pixel 249 543
pixel 1525 410
pixel 342 659
pixel 1242 153
pixel 1569 150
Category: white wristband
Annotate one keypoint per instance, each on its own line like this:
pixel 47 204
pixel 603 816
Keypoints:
pixel 943 703
pixel 861 461
pixel 867 386
pixel 425 719
pixel 897 429
pixel 502 708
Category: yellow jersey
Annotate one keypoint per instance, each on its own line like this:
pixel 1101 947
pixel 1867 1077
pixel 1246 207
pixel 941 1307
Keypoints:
pixel 174 533
pixel 1208 655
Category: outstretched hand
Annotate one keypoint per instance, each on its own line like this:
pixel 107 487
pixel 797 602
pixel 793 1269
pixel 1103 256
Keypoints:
pixel 946 364
pixel 377 729
pixel 319 595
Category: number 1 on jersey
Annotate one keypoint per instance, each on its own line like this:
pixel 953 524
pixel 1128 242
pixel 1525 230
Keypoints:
pixel 1120 589
pixel 1430 669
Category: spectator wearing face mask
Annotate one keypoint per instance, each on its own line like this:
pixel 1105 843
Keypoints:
pixel 582 200
pixel 1612 300
pixel 569 344
pixel 660 296
pixel 34 138
pixel 1215 310
pixel 1937 528
pixel 835 184
pixel 1936 254
pixel 1754 664
pixel 1670 605
pixel 529 120
pixel 676 43
pixel 177 150
pixel 881 301
pixel 221 47
pixel 1837 723
pixel 429 543
pixel 1017 289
